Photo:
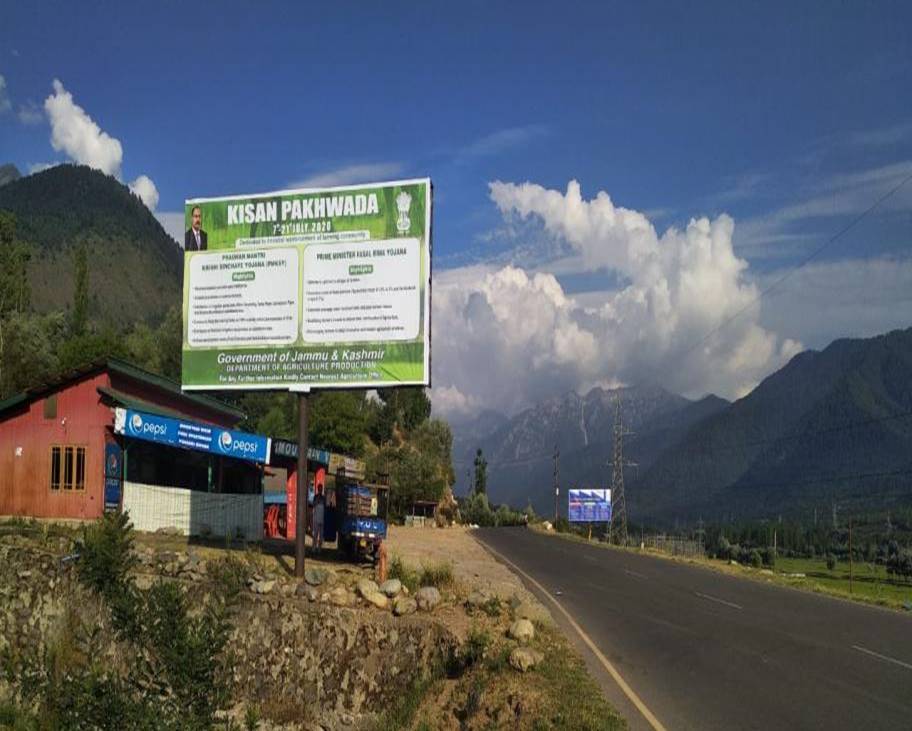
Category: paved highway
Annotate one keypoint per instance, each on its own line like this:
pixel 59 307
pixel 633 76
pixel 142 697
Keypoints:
pixel 703 650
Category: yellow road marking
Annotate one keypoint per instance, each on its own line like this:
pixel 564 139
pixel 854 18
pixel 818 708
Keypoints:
pixel 606 663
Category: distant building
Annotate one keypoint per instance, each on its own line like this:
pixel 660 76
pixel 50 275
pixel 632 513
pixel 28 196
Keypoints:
pixel 112 436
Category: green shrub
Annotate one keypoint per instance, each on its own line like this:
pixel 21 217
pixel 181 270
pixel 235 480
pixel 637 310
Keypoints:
pixel 439 575
pixel 398 569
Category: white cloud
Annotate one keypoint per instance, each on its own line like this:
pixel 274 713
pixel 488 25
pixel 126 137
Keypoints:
pixel 30 113
pixel 173 223
pixel 146 190
pixel 848 298
pixel 364 173
pixel 501 140
pixel 76 134
pixel 5 103
pixel 533 340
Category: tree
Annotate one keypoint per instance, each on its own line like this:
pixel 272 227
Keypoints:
pixel 338 421
pixel 14 282
pixel 81 291
pixel 481 473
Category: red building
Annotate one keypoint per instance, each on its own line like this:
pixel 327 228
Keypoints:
pixel 58 443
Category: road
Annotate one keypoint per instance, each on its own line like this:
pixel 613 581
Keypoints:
pixel 704 650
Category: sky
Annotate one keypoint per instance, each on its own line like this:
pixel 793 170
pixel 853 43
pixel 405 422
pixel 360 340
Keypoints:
pixel 623 192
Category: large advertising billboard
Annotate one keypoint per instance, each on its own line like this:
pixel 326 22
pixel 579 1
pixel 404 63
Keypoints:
pixel 589 506
pixel 324 288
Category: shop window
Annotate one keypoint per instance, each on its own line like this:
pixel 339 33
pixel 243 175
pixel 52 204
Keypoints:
pixel 68 468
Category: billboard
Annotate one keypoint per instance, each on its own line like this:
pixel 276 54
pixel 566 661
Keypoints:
pixel 319 288
pixel 589 506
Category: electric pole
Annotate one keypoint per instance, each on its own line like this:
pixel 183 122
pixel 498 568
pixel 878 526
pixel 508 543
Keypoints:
pixel 556 488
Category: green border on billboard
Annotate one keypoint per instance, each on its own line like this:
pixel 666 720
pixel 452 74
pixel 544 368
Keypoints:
pixel 274 229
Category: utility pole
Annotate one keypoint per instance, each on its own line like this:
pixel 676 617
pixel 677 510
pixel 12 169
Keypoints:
pixel 301 491
pixel 618 500
pixel 851 564
pixel 556 487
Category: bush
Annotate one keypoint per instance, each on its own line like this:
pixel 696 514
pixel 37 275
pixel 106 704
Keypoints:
pixel 183 678
pixel 398 569
pixel 439 575
pixel 562 525
pixel 831 561
pixel 756 560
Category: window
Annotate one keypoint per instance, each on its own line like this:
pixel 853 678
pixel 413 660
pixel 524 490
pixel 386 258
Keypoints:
pixel 67 468
pixel 50 407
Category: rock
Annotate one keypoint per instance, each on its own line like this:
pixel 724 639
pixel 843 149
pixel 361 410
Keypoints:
pixel 547 525
pixel 340 597
pixel 391 587
pixel 427 597
pixel 533 611
pixel 404 605
pixel 478 598
pixel 263 587
pixel 367 586
pixel 377 599
pixel 308 592
pixel 524 659
pixel 169 531
pixel 316 577
pixel 522 630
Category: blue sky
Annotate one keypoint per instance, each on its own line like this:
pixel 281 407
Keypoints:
pixel 788 118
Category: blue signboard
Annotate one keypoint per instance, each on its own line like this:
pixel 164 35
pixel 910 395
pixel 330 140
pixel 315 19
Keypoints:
pixel 589 506
pixel 113 474
pixel 192 435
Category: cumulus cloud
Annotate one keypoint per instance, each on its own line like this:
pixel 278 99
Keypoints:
pixel 77 135
pixel 5 103
pixel 535 340
pixel 146 190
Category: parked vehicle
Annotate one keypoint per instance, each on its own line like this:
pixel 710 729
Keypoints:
pixel 362 511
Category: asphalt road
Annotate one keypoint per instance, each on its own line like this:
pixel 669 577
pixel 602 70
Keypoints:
pixel 704 650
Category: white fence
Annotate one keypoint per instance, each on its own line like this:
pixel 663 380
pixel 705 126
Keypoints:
pixel 192 512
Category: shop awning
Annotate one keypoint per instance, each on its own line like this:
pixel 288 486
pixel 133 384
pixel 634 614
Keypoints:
pixel 186 434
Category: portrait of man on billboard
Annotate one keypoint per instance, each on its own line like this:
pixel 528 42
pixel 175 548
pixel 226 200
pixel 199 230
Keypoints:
pixel 195 238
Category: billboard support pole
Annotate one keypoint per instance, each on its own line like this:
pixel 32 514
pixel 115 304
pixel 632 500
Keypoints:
pixel 301 490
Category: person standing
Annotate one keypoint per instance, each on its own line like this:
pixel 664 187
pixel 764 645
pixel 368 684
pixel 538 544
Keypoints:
pixel 319 513
pixel 196 239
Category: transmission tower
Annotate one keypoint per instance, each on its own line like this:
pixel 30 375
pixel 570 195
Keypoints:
pixel 618 525
pixel 556 456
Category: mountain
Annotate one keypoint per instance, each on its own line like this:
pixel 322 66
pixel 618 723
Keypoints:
pixel 519 450
pixel 830 427
pixel 135 268
pixel 8 173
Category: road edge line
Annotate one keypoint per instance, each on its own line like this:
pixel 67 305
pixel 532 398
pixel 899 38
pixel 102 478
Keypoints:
pixel 606 663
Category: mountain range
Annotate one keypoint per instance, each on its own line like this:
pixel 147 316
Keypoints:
pixel 135 268
pixel 830 428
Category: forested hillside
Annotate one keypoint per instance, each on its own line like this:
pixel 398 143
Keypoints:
pixel 134 267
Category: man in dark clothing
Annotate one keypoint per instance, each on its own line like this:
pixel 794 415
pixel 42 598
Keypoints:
pixel 195 239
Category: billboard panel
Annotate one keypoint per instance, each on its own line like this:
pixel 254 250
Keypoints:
pixel 589 506
pixel 325 288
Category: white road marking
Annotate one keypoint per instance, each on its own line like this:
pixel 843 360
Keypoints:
pixel 719 601
pixel 893 660
pixel 635 573
pixel 606 663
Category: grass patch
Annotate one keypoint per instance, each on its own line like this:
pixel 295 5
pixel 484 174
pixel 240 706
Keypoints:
pixel 439 575
pixel 403 710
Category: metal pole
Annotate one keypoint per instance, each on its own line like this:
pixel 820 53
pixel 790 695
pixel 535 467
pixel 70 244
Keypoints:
pixel 301 491
pixel 851 569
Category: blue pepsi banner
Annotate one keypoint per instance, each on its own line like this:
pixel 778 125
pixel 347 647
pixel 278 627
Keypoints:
pixel 192 435
pixel 589 506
